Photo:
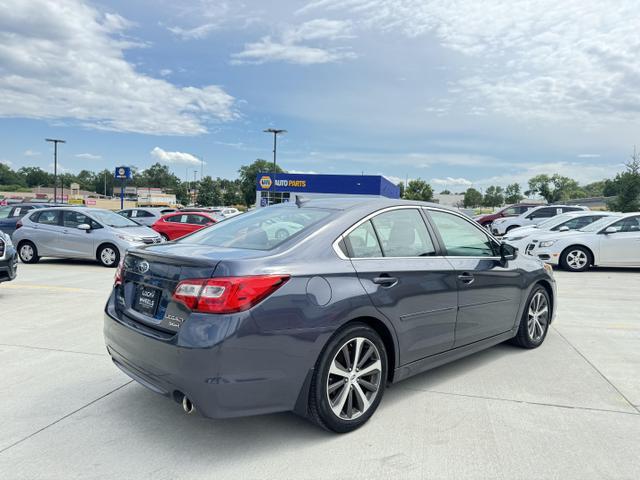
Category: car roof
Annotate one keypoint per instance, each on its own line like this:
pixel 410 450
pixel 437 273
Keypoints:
pixel 348 203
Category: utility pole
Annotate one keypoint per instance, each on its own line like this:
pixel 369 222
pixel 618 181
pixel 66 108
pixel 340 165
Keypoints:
pixel 276 132
pixel 55 142
pixel 105 183
pixel 195 187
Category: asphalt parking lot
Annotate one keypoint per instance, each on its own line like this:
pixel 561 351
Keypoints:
pixel 570 409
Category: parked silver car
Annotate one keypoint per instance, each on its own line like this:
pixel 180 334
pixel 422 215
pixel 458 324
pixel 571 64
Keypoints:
pixel 79 233
pixel 145 215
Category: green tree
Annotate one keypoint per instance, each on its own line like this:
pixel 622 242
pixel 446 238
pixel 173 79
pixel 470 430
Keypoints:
pixel 401 188
pixel 9 177
pixel 100 180
pixel 472 198
pixel 512 194
pixel 156 176
pixel 35 176
pixel 445 192
pixel 493 197
pixel 627 185
pixel 554 188
pixel 248 174
pixel 418 189
pixel 208 192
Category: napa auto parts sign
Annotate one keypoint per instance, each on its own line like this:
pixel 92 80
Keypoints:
pixel 318 183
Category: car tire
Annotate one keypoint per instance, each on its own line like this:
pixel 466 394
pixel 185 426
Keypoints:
pixel 108 255
pixel 576 259
pixel 28 252
pixel 535 320
pixel 341 399
pixel 166 237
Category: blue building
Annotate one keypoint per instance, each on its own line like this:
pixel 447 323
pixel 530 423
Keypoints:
pixel 283 187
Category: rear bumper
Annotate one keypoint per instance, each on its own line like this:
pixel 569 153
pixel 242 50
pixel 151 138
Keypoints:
pixel 226 369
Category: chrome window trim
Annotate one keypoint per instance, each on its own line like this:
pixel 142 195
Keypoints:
pixel 342 256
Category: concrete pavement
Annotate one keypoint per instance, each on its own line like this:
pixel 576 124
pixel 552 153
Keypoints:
pixel 569 409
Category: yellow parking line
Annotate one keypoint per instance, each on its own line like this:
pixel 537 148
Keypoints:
pixel 47 287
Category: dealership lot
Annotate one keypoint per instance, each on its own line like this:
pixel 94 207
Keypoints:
pixel 569 409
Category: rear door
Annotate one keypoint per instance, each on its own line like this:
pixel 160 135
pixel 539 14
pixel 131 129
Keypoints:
pixel 398 265
pixel 623 247
pixel 47 232
pixel 489 291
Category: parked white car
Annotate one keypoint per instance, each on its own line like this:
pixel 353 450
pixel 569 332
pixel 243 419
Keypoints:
pixel 613 241
pixel 521 237
pixel 533 216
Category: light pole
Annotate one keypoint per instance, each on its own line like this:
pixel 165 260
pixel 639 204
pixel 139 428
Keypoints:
pixel 276 132
pixel 55 142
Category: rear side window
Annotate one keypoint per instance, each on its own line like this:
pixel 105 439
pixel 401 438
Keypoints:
pixel 461 238
pixel 547 212
pixel 197 219
pixel 578 222
pixel 143 214
pixel 20 211
pixel 362 242
pixel 49 217
pixel 403 233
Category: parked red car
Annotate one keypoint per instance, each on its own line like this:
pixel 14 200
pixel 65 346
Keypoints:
pixel 510 211
pixel 179 224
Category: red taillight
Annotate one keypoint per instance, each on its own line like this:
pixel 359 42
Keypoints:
pixel 227 294
pixel 118 277
pixel 18 224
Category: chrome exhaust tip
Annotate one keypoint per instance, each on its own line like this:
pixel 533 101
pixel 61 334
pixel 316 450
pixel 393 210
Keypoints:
pixel 187 405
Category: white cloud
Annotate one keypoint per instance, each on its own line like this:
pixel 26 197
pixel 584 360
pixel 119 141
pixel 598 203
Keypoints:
pixel 449 181
pixel 88 156
pixel 65 60
pixel 166 71
pixel 175 157
pixel 8 163
pixel 194 33
pixel 31 153
pixel 574 60
pixel 289 46
pixel 589 155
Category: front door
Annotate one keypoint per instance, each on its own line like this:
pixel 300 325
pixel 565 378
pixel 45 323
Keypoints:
pixel 395 259
pixel 623 247
pixel 76 242
pixel 489 290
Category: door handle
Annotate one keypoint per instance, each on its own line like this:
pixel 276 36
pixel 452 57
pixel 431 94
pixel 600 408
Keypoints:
pixel 385 280
pixel 466 278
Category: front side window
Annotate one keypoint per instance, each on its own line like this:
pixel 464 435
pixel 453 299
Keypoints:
pixel 48 217
pixel 630 224
pixel 403 233
pixel 261 229
pixel 547 212
pixel 461 238
pixel 363 243
pixel 72 219
pixel 126 213
pixel 578 222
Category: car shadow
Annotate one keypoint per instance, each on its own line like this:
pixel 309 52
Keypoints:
pixel 263 433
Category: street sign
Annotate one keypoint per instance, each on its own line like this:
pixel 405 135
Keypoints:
pixel 123 173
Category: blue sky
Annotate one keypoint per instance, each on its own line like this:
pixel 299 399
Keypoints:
pixel 457 92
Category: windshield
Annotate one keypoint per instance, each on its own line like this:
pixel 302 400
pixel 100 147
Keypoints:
pixel 4 211
pixel 112 219
pixel 553 221
pixel 262 229
pixel 598 224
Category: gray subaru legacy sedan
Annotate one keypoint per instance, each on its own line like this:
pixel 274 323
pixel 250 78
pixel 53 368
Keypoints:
pixel 236 319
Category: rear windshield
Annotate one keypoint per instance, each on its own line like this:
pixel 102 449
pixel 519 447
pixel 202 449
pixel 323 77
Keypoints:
pixel 262 229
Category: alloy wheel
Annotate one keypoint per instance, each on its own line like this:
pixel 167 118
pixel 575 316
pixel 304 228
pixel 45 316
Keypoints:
pixel 538 317
pixel 354 378
pixel 577 259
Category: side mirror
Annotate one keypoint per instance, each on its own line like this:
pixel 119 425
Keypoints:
pixel 84 226
pixel 564 229
pixel 610 230
pixel 508 252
